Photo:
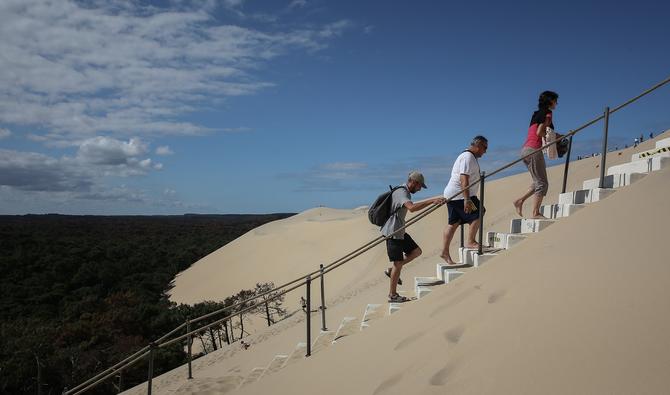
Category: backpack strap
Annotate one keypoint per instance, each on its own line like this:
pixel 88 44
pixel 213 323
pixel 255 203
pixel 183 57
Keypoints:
pixel 393 189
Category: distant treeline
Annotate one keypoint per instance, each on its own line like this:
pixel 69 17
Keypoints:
pixel 79 293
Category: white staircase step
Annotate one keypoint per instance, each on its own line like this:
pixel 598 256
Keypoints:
pixel 255 374
pixel 422 291
pixel 349 326
pixel 614 180
pixel 447 273
pixel 298 353
pixel 372 312
pixel 393 307
pixel 658 151
pixel 275 365
pixel 465 254
pixel 640 166
pixel 426 282
pixel 504 240
pixel 584 196
pixel 323 340
pixel 481 260
pixel 663 143
pixel 529 225
pixel 555 211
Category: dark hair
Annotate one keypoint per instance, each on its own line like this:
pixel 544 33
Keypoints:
pixel 545 99
pixel 479 139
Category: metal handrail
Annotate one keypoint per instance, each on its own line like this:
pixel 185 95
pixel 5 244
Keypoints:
pixel 333 265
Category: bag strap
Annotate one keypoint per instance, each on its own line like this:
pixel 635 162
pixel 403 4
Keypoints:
pixel 393 189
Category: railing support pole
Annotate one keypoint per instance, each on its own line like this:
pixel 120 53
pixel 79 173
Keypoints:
pixel 152 352
pixel 323 300
pixel 39 375
pixel 567 165
pixel 462 236
pixel 603 157
pixel 481 212
pixel 189 345
pixel 308 311
pixel 120 381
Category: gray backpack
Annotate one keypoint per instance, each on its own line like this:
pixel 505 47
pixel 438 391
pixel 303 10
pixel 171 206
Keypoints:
pixel 380 211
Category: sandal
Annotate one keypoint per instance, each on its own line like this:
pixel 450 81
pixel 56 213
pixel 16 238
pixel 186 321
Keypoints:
pixel 388 274
pixel 398 299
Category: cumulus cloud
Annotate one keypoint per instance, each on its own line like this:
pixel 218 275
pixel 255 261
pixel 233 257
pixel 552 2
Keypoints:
pixel 109 151
pixel 29 171
pixel 73 71
pixel 4 133
pixel 164 150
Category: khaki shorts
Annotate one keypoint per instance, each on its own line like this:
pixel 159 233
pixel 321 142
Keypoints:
pixel 537 168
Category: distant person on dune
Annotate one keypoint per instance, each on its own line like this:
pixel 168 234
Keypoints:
pixel 541 120
pixel 464 207
pixel 400 246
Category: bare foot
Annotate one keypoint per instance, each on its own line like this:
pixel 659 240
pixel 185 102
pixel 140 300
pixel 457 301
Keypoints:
pixel 539 216
pixel 519 207
pixel 472 245
pixel 447 258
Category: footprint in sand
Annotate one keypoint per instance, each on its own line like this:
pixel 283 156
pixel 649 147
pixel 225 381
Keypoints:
pixel 496 296
pixel 386 384
pixel 408 340
pixel 454 334
pixel 454 301
pixel 440 377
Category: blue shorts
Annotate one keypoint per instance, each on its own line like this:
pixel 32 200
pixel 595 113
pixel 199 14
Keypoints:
pixel 457 213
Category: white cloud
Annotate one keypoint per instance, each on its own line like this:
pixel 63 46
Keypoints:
pixel 122 69
pixel 297 4
pixel 4 133
pixel 164 150
pixel 109 151
pixel 240 129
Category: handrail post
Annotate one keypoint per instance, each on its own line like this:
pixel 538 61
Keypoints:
pixel 152 352
pixel 308 311
pixel 323 300
pixel 189 345
pixel 567 165
pixel 604 152
pixel 120 381
pixel 462 236
pixel 482 175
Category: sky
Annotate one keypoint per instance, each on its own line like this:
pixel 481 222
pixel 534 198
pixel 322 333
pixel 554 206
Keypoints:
pixel 244 106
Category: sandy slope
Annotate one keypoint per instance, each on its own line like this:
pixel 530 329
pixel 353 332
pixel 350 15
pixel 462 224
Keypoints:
pixel 430 337
pixel 580 308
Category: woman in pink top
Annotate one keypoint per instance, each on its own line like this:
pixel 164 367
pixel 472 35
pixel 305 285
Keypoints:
pixel 539 122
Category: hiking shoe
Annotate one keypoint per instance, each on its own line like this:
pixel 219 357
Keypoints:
pixel 388 274
pixel 398 299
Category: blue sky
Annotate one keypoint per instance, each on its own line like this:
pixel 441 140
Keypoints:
pixel 244 106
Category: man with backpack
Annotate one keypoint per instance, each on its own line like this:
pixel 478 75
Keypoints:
pixel 400 246
pixel 463 208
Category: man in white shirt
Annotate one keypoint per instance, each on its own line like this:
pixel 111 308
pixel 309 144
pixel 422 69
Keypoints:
pixel 464 207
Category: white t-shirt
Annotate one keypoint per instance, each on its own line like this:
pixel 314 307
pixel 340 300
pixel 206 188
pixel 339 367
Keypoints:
pixel 466 163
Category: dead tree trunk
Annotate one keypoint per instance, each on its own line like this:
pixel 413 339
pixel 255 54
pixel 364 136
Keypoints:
pixel 211 333
pixel 225 328
pixel 267 313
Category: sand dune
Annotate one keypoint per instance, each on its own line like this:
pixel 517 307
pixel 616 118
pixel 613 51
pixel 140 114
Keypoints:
pixel 568 311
